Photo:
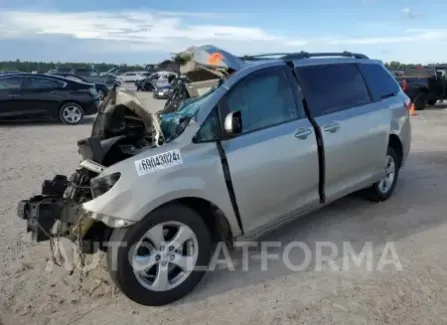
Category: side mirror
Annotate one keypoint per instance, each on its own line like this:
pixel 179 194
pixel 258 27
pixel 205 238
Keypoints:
pixel 233 123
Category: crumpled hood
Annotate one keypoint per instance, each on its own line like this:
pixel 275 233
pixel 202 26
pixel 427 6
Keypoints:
pixel 108 116
pixel 208 58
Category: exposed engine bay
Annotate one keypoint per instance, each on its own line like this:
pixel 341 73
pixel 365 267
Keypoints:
pixel 122 128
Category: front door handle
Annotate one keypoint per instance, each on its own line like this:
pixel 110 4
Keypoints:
pixel 13 96
pixel 331 127
pixel 303 133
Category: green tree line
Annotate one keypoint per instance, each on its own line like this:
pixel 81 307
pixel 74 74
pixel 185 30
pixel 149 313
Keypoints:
pixel 396 65
pixel 29 66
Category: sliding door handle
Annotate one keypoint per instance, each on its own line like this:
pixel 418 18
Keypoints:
pixel 331 127
pixel 303 133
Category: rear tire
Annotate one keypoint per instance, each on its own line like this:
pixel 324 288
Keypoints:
pixel 71 113
pixel 142 286
pixel 432 102
pixel 420 101
pixel 383 189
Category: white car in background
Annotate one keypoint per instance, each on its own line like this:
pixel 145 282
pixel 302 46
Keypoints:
pixel 132 76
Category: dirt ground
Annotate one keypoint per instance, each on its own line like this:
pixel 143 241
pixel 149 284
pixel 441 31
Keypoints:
pixel 413 221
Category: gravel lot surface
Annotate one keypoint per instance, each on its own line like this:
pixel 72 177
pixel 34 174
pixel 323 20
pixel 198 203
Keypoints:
pixel 413 220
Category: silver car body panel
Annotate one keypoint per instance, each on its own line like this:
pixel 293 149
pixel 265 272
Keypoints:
pixel 275 176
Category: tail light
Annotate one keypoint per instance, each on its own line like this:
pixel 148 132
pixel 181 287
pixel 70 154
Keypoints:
pixel 92 90
pixel 405 85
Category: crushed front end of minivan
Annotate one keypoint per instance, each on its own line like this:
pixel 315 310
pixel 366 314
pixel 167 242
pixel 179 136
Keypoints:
pixel 126 163
pixel 122 128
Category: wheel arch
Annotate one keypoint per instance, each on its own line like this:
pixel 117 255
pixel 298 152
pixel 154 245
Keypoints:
pixel 68 101
pixel 212 215
pixel 215 219
pixel 395 143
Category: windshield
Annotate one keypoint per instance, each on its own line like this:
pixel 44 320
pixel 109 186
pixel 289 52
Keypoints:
pixel 173 124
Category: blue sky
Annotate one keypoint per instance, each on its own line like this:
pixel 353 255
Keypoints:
pixel 137 31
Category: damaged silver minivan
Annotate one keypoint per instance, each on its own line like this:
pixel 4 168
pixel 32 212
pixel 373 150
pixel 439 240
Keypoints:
pixel 247 152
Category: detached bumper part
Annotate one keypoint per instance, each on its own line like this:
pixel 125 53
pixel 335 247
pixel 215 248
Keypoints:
pixel 39 212
pixel 111 221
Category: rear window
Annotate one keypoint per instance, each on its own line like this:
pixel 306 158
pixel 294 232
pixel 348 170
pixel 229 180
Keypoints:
pixel 380 82
pixel 332 88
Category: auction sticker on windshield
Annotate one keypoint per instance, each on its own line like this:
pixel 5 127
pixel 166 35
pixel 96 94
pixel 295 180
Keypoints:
pixel 158 162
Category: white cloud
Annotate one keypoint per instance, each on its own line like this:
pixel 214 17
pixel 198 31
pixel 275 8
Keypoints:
pixel 167 32
pixel 412 35
pixel 153 30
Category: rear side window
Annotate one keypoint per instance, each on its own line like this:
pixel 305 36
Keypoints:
pixel 332 88
pixel 380 82
pixel 42 83
pixel 10 83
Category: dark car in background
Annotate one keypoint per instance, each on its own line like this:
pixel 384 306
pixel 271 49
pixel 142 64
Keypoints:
pixel 101 88
pixel 147 84
pixel 3 72
pixel 425 86
pixel 162 89
pixel 26 95
pixel 91 75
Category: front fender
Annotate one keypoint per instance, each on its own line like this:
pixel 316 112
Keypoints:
pixel 199 176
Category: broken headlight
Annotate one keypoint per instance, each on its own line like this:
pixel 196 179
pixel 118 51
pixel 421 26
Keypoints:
pixel 101 185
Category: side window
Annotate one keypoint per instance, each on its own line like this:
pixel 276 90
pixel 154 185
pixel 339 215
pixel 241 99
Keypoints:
pixel 380 82
pixel 332 88
pixel 210 129
pixel 10 83
pixel 264 98
pixel 42 83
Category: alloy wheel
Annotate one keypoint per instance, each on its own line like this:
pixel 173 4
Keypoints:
pixel 165 256
pixel 72 114
pixel 390 173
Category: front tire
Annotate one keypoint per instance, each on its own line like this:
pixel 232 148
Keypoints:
pixel 383 189
pixel 154 266
pixel 71 113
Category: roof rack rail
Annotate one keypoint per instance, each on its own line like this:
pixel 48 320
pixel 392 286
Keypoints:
pixel 302 55
pixel 263 56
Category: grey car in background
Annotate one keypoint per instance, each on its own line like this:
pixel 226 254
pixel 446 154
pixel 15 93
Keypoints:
pixel 277 137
